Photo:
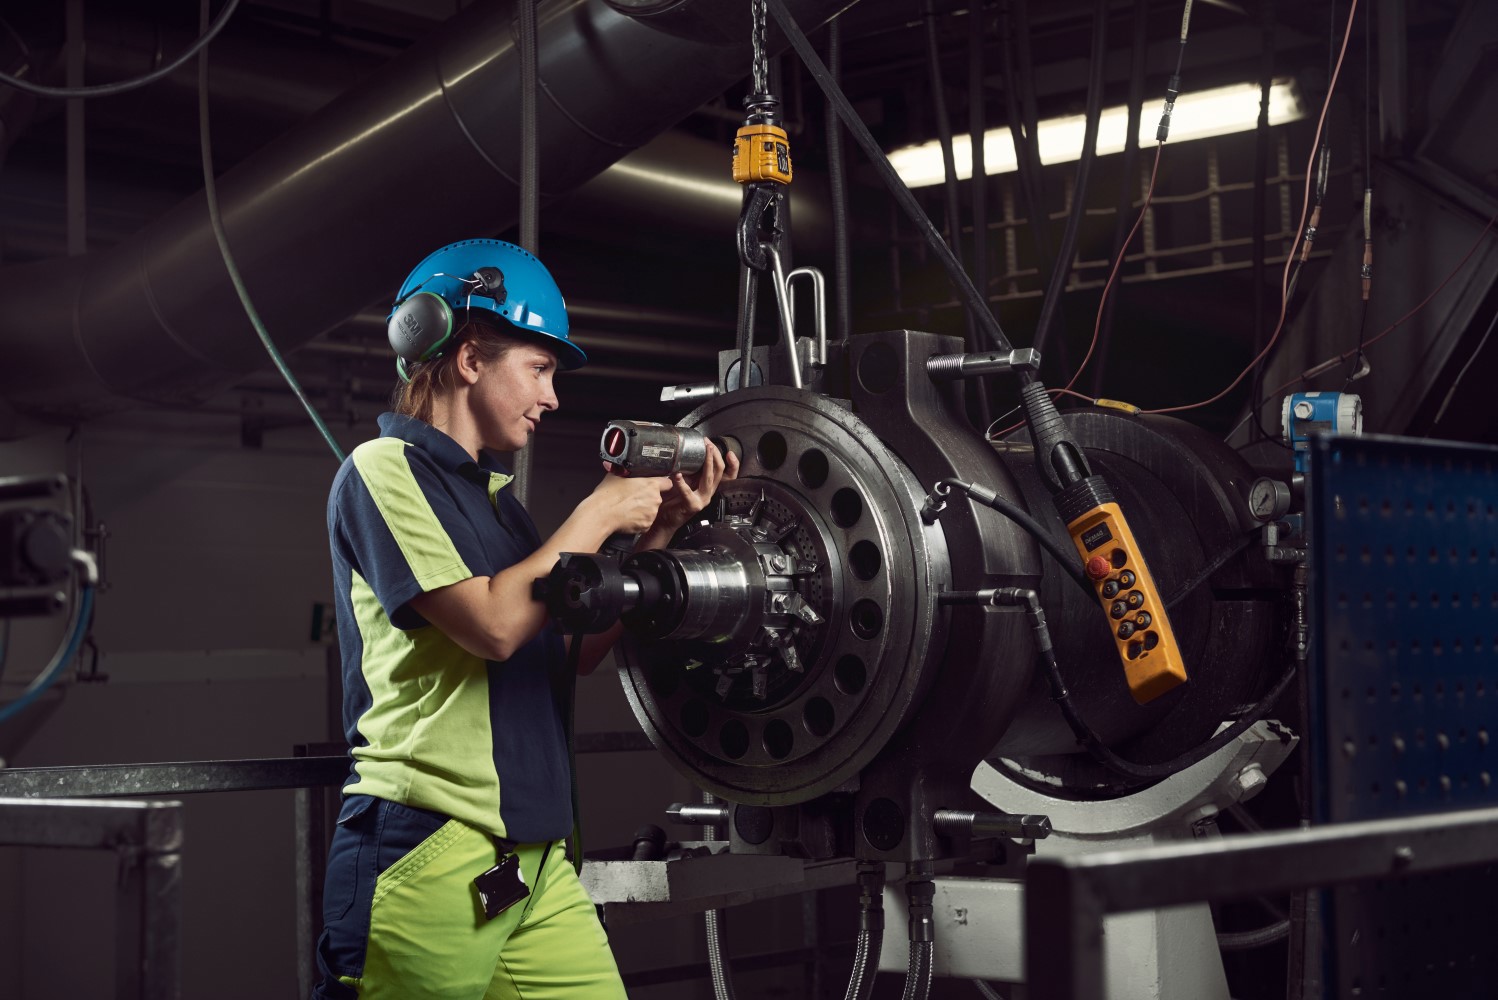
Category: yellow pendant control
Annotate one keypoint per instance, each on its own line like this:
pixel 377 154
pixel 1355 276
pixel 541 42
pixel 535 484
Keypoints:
pixel 1136 614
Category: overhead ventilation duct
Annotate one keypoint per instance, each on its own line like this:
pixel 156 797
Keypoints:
pixel 326 218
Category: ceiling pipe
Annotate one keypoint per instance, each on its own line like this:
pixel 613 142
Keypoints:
pixel 326 218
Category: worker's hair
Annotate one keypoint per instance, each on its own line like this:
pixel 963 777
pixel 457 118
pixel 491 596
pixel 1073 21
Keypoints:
pixel 429 379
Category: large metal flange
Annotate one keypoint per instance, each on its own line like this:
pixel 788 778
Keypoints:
pixel 843 512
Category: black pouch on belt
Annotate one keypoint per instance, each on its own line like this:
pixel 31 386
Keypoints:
pixel 502 886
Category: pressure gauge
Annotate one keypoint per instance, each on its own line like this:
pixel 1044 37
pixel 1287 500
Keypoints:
pixel 1268 499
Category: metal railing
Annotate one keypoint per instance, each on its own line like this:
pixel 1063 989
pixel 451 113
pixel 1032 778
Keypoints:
pixel 1066 899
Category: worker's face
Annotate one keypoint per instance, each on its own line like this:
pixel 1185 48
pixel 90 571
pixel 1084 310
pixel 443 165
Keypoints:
pixel 511 393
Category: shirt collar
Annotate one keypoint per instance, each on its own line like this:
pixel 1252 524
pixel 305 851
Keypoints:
pixel 488 471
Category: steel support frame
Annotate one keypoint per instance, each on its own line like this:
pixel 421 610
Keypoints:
pixel 1067 898
pixel 314 773
pixel 147 837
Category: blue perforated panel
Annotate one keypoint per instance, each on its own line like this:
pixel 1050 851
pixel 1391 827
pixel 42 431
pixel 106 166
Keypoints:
pixel 1404 580
pixel 1404 695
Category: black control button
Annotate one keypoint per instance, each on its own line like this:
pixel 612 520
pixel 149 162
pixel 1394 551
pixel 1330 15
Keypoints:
pixel 1151 640
pixel 1143 619
pixel 1135 649
pixel 1110 589
pixel 1120 558
pixel 1126 578
pixel 1119 609
pixel 1125 629
pixel 1134 599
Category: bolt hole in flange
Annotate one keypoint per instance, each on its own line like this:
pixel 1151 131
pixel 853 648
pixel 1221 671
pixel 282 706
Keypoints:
pixel 734 739
pixel 867 619
pixel 865 560
pixel 772 450
pixel 819 717
pixel 850 674
pixel 779 739
pixel 813 469
pixel 847 507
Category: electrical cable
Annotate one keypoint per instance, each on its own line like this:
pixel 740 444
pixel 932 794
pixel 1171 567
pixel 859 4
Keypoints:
pixel 1121 230
pixel 991 434
pixel 1462 374
pixel 1332 362
pixel 210 193
pixel 977 303
pixel 1028 170
pixel 1062 271
pixel 1100 752
pixel 522 462
pixel 1289 259
pixel 1117 263
pixel 1360 363
pixel 83 607
pixel 1162 132
pixel 123 86
pixel 1261 195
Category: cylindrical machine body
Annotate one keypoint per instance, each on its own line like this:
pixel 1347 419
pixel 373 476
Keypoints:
pixel 797 652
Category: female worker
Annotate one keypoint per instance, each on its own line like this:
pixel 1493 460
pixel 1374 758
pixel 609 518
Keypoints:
pixel 447 876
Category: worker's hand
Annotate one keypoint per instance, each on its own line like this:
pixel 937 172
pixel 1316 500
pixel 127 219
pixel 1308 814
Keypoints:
pixel 629 505
pixel 688 495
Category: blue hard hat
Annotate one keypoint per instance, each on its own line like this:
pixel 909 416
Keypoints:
pixel 488 275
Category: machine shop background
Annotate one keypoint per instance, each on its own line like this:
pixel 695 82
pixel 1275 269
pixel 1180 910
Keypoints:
pixel 204 494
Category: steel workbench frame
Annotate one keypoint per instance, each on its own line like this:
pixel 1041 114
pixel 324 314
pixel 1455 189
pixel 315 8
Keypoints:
pixel 1066 899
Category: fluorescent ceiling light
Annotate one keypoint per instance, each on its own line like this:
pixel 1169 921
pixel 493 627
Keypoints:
pixel 1198 115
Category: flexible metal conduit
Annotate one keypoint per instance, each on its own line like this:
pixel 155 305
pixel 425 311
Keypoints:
pixel 326 219
pixel 870 930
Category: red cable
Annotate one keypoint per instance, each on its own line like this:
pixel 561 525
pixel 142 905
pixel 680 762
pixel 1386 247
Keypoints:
pixel 1330 363
pixel 1299 228
pixel 1122 251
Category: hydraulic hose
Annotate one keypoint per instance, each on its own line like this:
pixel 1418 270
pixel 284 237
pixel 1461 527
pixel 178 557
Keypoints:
pixel 987 991
pixel 977 122
pixel 948 160
pixel 1258 938
pixel 918 977
pixel 1029 178
pixel 1062 270
pixel 1089 740
pixel 221 235
pixel 870 930
pixel 77 629
pixel 841 272
pixel 920 891
pixel 717 961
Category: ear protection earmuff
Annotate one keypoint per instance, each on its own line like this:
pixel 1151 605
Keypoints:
pixel 421 324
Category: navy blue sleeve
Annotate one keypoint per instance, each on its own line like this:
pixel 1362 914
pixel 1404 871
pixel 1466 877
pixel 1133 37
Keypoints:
pixel 400 529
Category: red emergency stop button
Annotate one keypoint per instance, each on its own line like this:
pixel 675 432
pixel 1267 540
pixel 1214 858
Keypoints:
pixel 1098 567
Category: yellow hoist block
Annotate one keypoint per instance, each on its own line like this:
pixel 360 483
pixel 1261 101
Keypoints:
pixel 761 153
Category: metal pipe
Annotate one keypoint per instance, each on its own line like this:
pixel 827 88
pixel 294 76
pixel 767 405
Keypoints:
pixel 156 319
pixel 787 321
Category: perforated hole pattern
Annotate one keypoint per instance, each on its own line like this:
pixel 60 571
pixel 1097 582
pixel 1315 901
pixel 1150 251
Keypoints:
pixel 1405 695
